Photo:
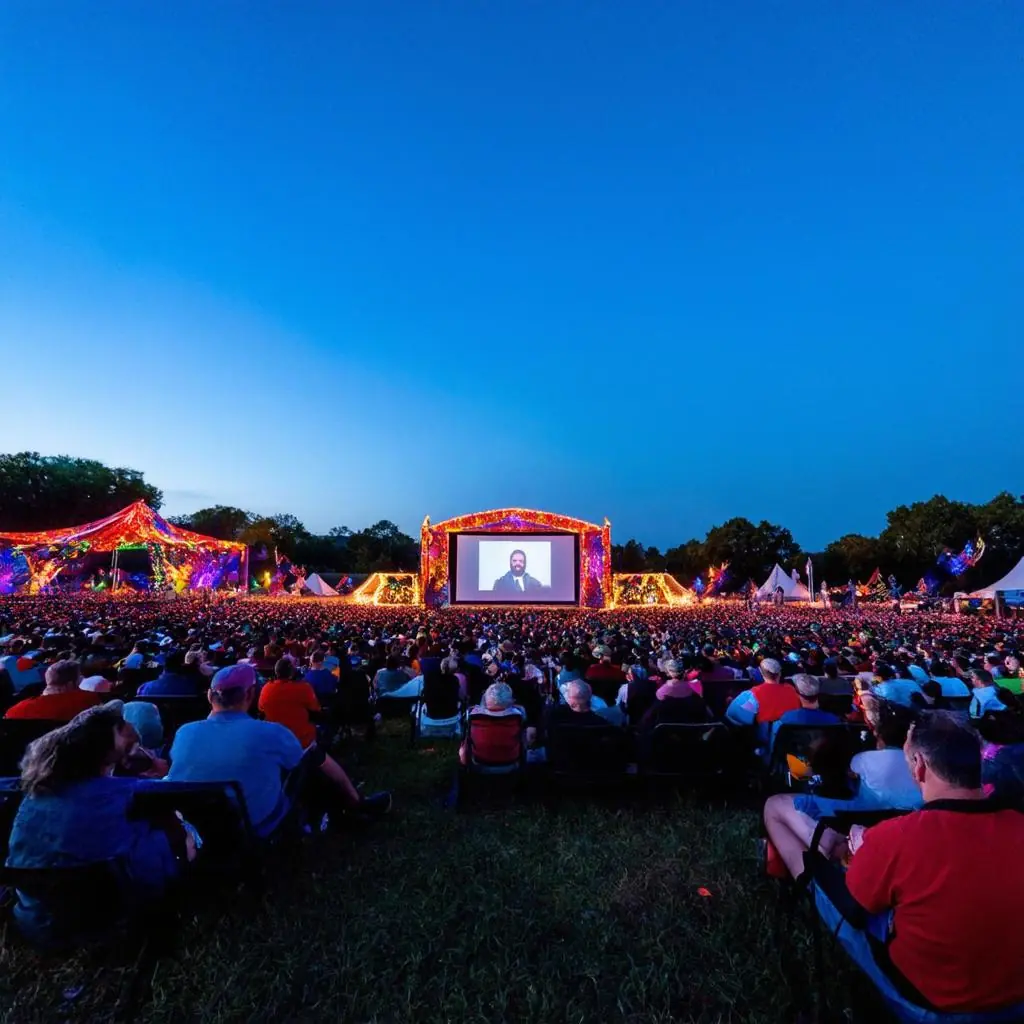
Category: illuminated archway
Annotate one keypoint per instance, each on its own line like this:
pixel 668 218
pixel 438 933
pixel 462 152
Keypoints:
pixel 595 545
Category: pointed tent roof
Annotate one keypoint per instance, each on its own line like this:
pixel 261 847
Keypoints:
pixel 316 585
pixel 136 524
pixel 1013 580
pixel 793 590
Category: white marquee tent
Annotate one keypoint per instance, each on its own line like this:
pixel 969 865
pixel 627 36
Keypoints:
pixel 792 589
pixel 315 585
pixel 1013 580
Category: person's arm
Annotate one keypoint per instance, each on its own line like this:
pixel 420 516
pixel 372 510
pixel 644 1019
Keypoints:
pixel 288 749
pixel 743 710
pixel 873 866
pixel 310 699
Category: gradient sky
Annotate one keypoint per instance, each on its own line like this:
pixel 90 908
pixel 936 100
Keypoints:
pixel 667 262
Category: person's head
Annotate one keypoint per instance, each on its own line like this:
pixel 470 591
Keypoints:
pixel 994 662
pixel 636 674
pixel 392 662
pixel 771 670
pixel 145 719
pixel 889 722
pixel 807 689
pixel 316 659
pixel 284 669
pixel 175 662
pixel 517 562
pixel 1012 666
pixel 89 745
pixel 979 678
pixel 673 669
pixel 944 755
pixel 603 654
pixel 233 688
pixel 498 697
pixel 831 668
pixel 578 695
pixel 62 676
pixel 449 666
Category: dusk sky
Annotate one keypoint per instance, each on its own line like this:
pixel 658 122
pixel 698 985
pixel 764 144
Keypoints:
pixel 666 262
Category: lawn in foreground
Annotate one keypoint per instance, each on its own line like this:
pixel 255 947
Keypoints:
pixel 585 913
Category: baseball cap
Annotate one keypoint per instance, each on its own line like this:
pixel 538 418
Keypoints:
pixel 234 677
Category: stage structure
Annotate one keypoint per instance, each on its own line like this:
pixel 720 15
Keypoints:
pixel 650 588
pixel 393 589
pixel 578 559
pixel 180 560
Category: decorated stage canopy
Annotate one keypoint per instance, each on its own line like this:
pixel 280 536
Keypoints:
pixel 595 548
pixel 179 559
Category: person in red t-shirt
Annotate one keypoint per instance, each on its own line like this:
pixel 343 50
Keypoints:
pixel 947 880
pixel 61 700
pixel 290 702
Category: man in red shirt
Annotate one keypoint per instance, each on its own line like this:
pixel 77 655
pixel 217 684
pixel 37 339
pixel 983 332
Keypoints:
pixel 946 882
pixel 61 700
pixel 604 677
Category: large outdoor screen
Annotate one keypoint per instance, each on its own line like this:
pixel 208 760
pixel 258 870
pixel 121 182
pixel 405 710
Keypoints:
pixel 514 568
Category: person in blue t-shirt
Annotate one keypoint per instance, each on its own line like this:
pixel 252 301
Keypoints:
pixel 807 689
pixel 76 813
pixel 173 681
pixel 231 746
pixel 321 678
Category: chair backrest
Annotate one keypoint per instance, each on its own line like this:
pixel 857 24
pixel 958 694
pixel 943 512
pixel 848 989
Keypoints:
pixel 178 711
pixel 10 800
pixel 84 900
pixel 840 704
pixel 827 749
pixel 686 749
pixel 217 810
pixel 719 693
pixel 590 750
pixel 15 736
pixel 494 741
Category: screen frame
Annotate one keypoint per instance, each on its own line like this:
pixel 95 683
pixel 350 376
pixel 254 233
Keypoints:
pixel 453 566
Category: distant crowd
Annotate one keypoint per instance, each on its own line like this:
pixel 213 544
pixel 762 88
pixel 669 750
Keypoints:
pixel 919 715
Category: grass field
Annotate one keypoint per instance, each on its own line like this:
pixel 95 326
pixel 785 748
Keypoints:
pixel 519 913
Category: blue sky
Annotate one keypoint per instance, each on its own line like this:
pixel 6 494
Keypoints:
pixel 666 262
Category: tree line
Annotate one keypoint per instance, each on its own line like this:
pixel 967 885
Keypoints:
pixel 43 492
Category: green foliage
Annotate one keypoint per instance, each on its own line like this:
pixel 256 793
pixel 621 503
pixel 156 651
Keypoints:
pixel 221 521
pixel 43 492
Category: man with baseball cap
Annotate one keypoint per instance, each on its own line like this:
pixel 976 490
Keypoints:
pixel 231 746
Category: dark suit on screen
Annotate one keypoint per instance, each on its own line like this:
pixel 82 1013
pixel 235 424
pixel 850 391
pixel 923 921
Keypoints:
pixel 506 585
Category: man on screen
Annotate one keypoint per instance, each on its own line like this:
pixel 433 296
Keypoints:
pixel 517 580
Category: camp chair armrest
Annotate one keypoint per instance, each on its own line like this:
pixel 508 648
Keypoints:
pixel 830 879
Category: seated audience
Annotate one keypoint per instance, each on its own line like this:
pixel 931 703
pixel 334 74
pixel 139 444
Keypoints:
pixel 75 813
pixel 394 681
pixel 604 677
pixel 765 703
pixel 808 713
pixel 637 693
pixel 984 693
pixel 289 701
pixel 61 699
pixel 934 904
pixel 173 681
pixel 320 677
pixel 1002 752
pixel 490 746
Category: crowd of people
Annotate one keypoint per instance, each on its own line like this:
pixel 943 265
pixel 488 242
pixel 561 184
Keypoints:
pixel 939 699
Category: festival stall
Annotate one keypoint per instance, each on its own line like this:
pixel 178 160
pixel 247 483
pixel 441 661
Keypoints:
pixel 1007 592
pixel 792 588
pixel 318 587
pixel 650 588
pixel 51 561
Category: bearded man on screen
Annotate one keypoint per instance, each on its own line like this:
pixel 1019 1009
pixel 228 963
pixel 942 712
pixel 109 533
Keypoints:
pixel 517 580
